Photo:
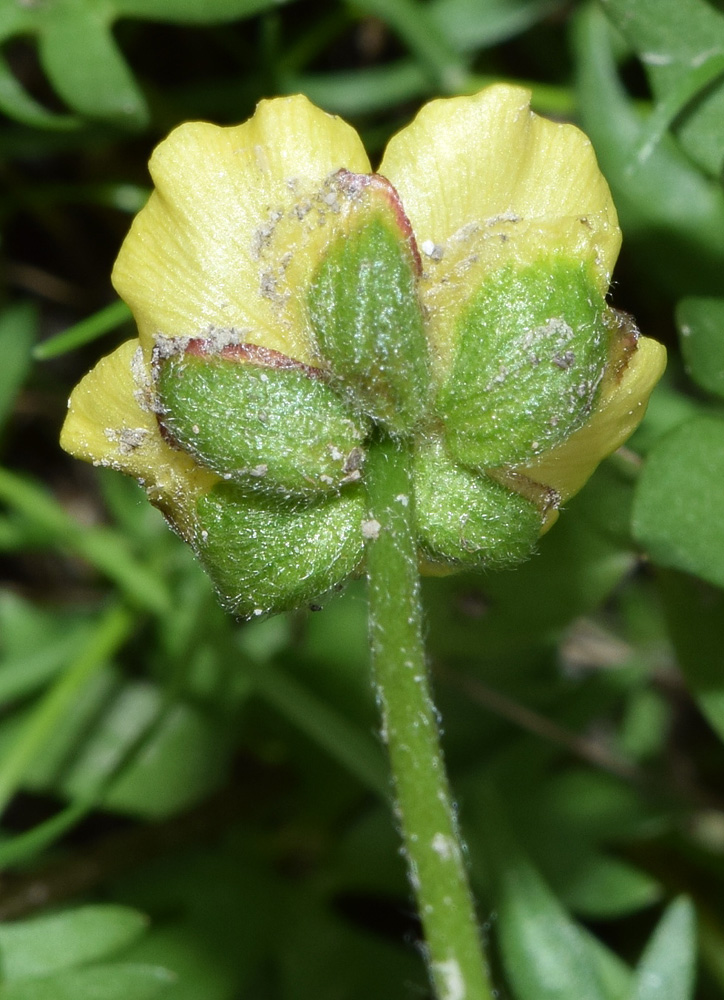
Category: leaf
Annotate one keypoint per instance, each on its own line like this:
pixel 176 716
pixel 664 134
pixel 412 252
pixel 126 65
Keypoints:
pixel 701 325
pixel 667 966
pixel 193 12
pixel 80 55
pixel 345 742
pixel 604 887
pixel 17 333
pixel 476 24
pixel 614 974
pixel 39 947
pixel 224 911
pixel 87 330
pixel 326 957
pixel 17 104
pixel 546 955
pixel 672 214
pixel 83 62
pixel 205 969
pixel 695 614
pixel 184 755
pixel 675 40
pixel 543 949
pixel 103 982
pixel 35 644
pixel 106 549
pixel 680 488
pixel 356 92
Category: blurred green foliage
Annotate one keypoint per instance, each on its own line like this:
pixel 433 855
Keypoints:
pixel 225 780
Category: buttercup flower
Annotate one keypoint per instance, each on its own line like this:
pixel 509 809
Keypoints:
pixel 293 307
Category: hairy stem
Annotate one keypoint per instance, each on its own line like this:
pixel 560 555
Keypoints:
pixel 424 808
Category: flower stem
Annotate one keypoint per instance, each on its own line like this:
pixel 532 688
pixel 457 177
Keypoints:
pixel 424 808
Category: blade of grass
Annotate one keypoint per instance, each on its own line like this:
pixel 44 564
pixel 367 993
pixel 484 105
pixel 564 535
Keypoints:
pixel 103 548
pixel 109 635
pixel 330 730
pixel 105 320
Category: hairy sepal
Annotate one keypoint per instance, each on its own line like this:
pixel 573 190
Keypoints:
pixel 364 307
pixel 259 418
pixel 532 349
pixel 266 555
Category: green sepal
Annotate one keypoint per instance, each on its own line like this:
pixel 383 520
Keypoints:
pixel 532 350
pixel 364 307
pixel 464 518
pixel 275 429
pixel 266 555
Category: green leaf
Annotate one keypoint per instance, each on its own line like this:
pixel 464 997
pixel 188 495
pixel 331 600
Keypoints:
pixel 182 757
pixel 701 325
pixel 327 958
pixel 672 214
pixel 34 645
pixel 27 735
pixel 667 966
pixel 673 105
pixel 18 104
pixel 17 332
pixel 193 12
pixel 680 488
pixel 205 967
pixel 614 974
pixel 85 331
pixel 695 615
pixel 106 549
pixel 604 887
pixel 34 948
pixel 357 92
pixel 544 951
pixel 546 955
pixel 342 739
pixel 102 982
pixel 80 55
pixel 223 910
pixel 83 62
pixel 676 40
pixel 476 24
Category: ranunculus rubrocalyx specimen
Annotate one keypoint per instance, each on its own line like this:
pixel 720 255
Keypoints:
pixel 295 310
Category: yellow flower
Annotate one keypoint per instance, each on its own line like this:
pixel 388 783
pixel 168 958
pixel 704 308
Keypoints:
pixel 474 193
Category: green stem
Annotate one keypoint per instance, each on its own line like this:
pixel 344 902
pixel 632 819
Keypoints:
pixel 432 843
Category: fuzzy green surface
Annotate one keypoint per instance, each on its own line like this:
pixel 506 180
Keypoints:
pixel 465 518
pixel 423 805
pixel 365 312
pixel 272 428
pixel 266 555
pixel 531 352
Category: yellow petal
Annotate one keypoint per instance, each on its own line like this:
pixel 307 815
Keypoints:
pixel 109 423
pixel 468 160
pixel 621 408
pixel 204 254
pixel 486 183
